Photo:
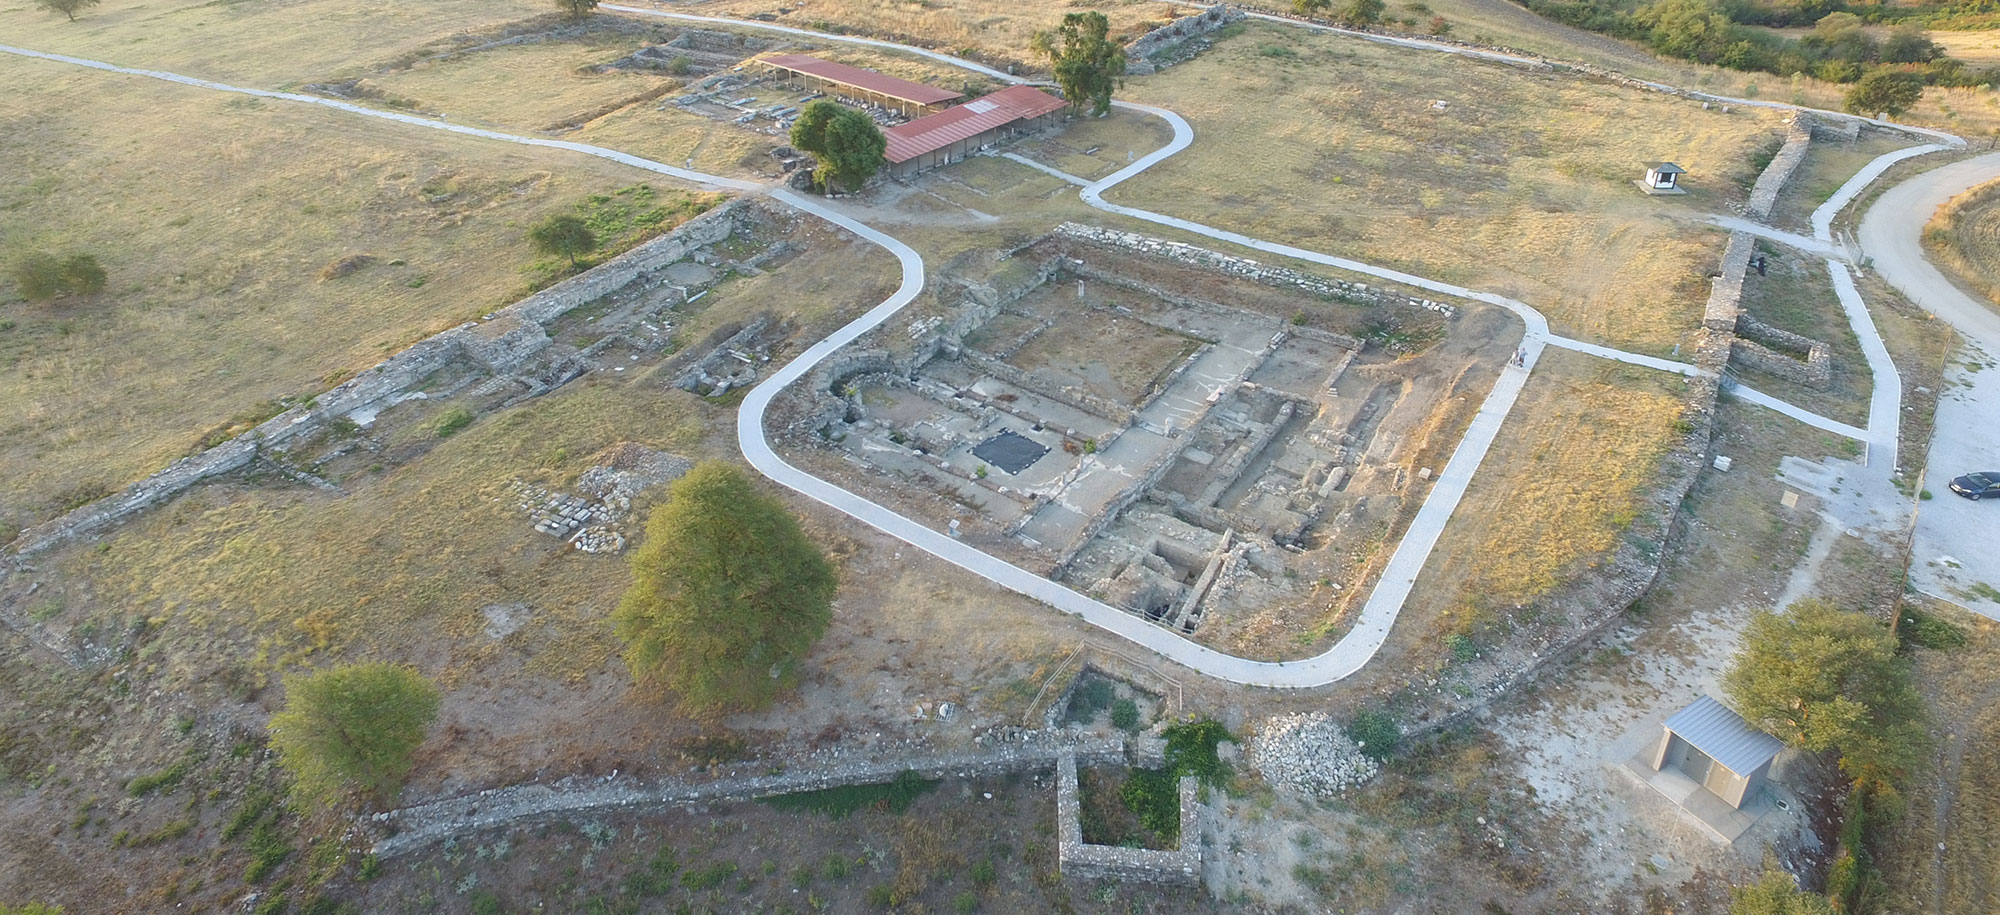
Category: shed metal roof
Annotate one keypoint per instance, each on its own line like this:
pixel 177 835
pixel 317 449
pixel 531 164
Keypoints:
pixel 1713 729
pixel 1668 168
pixel 937 131
pixel 881 83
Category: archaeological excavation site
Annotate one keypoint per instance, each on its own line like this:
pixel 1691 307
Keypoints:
pixel 1215 445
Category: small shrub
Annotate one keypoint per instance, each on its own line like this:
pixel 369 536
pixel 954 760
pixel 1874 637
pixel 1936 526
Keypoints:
pixel 453 420
pixel 681 65
pixel 967 901
pixel 983 873
pixel 1125 715
pixel 485 902
pixel 268 849
pixel 38 276
pixel 1376 733
pixel 371 867
pixel 709 877
pixel 163 780
pixel 1926 631
pixel 338 268
pixel 837 866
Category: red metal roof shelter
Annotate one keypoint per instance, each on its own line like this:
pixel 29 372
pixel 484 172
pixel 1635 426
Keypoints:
pixel 1009 108
pixel 865 82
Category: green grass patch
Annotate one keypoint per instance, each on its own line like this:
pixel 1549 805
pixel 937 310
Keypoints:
pixel 1926 631
pixel 837 803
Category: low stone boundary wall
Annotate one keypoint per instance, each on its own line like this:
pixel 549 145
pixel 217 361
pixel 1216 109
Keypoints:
pixel 1764 194
pixel 1244 267
pixel 1755 350
pixel 1139 54
pixel 505 341
pixel 1106 862
pixel 412 828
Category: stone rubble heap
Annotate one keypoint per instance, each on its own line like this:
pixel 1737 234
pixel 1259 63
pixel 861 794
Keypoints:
pixel 1309 753
pixel 590 522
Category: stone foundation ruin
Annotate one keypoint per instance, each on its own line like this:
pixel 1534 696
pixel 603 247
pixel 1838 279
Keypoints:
pixel 1186 460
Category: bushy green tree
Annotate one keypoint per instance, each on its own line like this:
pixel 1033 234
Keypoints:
pixel 1908 44
pixel 1821 678
pixel 1310 7
pixel 563 235
pixel 1087 62
pixel 1359 13
pixel 727 595
pixel 81 274
pixel 1776 893
pixel 576 9
pixel 38 276
pixel 1885 89
pixel 846 145
pixel 66 7
pixel 352 729
pixel 1691 29
pixel 41 276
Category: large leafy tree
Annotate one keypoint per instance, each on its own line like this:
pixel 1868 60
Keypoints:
pixel 576 9
pixel 352 728
pixel 66 7
pixel 845 144
pixel 1087 62
pixel 727 595
pixel 1776 893
pixel 1821 678
pixel 1886 89
pixel 563 236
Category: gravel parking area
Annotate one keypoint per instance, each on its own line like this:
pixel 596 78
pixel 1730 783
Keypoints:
pixel 1954 558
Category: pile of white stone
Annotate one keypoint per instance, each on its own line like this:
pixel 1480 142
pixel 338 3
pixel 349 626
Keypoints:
pixel 1309 753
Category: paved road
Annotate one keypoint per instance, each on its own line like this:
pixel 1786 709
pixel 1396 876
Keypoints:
pixel 1953 548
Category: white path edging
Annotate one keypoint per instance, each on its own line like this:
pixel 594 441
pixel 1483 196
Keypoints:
pixel 1399 575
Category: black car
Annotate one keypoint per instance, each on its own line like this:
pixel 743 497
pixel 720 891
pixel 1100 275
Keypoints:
pixel 1977 485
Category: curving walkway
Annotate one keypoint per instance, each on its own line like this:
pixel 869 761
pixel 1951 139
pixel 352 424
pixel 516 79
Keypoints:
pixel 1406 563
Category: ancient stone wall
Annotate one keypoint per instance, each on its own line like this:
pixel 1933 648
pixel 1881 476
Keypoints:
pixel 1106 862
pixel 505 342
pixel 1244 267
pixel 1756 350
pixel 411 828
pixel 1145 55
pixel 1764 194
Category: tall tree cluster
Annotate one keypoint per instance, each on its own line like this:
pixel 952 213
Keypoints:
pixel 846 145
pixel 1087 62
pixel 727 595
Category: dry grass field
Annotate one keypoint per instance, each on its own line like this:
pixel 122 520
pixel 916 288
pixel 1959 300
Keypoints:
pixel 1979 48
pixel 215 216
pixel 266 45
pixel 994 29
pixel 1564 478
pixel 1963 238
pixel 1521 183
